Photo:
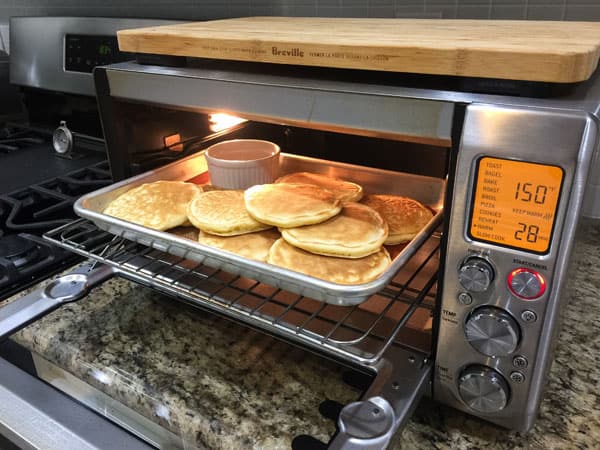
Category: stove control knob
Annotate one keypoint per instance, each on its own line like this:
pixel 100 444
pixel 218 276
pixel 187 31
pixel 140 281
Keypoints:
pixel 483 389
pixel 492 331
pixel 476 274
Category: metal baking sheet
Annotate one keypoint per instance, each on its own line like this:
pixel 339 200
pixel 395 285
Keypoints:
pixel 427 190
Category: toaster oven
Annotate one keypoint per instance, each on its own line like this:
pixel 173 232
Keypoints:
pixel 469 319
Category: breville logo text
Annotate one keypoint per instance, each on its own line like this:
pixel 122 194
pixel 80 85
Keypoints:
pixel 291 52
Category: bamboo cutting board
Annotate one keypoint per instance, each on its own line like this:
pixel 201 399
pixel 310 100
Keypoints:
pixel 562 52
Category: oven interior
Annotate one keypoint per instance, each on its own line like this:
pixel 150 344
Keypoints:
pixel 403 315
pixel 149 136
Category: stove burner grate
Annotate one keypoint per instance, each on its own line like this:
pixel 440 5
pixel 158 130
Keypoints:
pixel 48 205
pixel 24 258
pixel 26 213
pixel 13 139
pixel 20 252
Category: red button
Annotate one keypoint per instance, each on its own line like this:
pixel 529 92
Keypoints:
pixel 527 284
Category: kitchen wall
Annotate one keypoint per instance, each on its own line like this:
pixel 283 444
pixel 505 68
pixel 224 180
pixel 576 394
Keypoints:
pixel 210 9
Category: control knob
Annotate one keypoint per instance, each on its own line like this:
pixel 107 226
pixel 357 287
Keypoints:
pixel 492 331
pixel 476 274
pixel 483 389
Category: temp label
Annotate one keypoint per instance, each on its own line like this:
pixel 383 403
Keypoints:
pixel 515 203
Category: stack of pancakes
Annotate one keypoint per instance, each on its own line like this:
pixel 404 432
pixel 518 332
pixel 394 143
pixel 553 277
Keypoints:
pixel 310 223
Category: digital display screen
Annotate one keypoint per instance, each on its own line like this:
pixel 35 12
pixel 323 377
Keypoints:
pixel 84 52
pixel 515 203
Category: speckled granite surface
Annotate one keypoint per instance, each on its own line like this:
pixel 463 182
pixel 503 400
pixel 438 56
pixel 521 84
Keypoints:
pixel 219 385
pixel 212 382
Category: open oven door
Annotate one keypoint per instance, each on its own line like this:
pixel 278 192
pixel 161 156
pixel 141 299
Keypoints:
pixel 372 422
pixel 402 373
pixel 402 376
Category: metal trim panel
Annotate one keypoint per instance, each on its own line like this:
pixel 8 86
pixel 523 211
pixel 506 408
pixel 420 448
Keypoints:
pixel 583 96
pixel 409 118
pixel 36 416
pixel 37 47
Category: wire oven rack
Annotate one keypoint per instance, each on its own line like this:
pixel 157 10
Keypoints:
pixel 361 334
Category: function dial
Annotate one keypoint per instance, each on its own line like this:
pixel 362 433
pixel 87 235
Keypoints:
pixel 476 274
pixel 483 389
pixel 492 331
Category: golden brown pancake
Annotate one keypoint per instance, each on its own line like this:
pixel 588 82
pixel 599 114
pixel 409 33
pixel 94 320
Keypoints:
pixel 357 231
pixel 160 205
pixel 346 191
pixel 222 213
pixel 405 217
pixel 290 205
pixel 336 270
pixel 250 245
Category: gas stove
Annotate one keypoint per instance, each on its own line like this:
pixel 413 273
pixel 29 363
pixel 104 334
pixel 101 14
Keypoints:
pixel 37 191
pixel 57 152
pixel 52 151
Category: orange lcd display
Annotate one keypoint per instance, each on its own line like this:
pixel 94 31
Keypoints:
pixel 515 203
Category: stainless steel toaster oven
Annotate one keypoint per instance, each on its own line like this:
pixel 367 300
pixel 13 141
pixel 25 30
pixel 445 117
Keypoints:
pixel 471 315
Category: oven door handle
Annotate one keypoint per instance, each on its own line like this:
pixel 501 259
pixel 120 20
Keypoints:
pixel 375 421
pixel 65 289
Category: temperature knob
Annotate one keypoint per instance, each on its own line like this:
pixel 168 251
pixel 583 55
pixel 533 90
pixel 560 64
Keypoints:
pixel 483 389
pixel 492 331
pixel 476 274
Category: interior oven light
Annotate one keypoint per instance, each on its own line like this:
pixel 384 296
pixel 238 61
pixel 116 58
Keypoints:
pixel 222 121
pixel 527 284
pixel 173 142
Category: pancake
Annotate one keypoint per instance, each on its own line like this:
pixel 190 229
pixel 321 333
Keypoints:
pixel 357 231
pixel 251 245
pixel 290 205
pixel 335 270
pixel 345 191
pixel 160 205
pixel 222 213
pixel 405 217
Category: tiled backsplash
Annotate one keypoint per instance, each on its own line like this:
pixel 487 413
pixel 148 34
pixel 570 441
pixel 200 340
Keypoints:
pixel 211 9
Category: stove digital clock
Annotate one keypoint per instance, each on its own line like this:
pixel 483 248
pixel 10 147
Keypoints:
pixel 515 203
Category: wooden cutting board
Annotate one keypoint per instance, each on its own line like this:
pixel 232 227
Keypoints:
pixel 562 52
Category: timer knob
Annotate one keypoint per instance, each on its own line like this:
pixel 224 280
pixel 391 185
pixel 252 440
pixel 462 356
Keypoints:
pixel 476 274
pixel 483 389
pixel 492 331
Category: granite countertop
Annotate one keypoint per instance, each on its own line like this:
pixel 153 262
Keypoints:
pixel 220 385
